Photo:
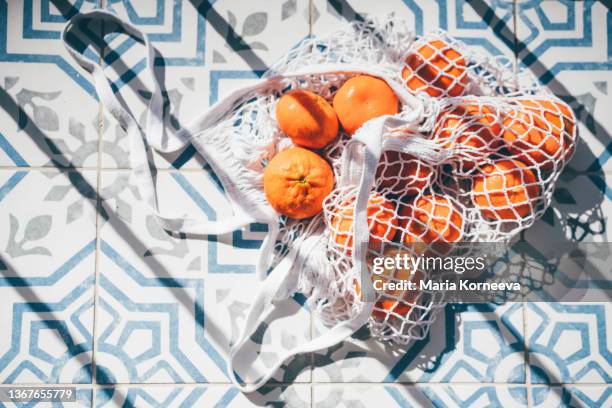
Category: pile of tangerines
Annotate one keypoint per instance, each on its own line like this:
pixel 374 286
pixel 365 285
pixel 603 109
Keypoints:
pixel 518 145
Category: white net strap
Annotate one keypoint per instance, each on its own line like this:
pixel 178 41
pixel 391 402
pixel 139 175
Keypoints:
pixel 278 286
pixel 153 133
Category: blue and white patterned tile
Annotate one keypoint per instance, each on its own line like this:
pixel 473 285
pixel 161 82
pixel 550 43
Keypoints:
pixel 578 212
pixel 578 215
pixel 334 395
pixel 452 352
pixel 48 221
pixel 583 396
pixel 564 44
pixel 188 295
pixel 177 30
pixel 256 34
pixel 46 276
pixel 568 342
pixel 49 119
pixel 485 25
pixel 232 43
pixel 221 396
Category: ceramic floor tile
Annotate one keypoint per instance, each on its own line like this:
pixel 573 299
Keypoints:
pixel 564 44
pixel 177 30
pixel 568 342
pixel 577 218
pixel 48 108
pixel 47 219
pixel 583 396
pixel 452 352
pixel 470 22
pixel 256 34
pixel 375 395
pixel 179 330
pixel 221 396
pixel 47 266
pixel 132 230
pixel 232 43
pixel 167 285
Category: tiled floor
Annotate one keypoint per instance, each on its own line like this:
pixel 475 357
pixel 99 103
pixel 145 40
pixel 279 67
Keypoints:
pixel 93 293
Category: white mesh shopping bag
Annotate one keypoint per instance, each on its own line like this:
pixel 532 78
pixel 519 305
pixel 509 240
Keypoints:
pixel 471 156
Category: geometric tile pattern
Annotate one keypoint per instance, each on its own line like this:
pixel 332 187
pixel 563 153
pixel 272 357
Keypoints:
pixel 93 293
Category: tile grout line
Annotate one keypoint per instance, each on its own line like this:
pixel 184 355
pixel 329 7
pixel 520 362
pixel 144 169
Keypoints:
pixel 100 129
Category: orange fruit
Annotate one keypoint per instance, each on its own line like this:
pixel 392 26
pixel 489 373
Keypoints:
pixel 539 132
pixel 307 118
pixel 403 173
pixel 471 125
pixel 503 190
pixel 382 222
pixel 396 301
pixel 436 68
pixel 431 218
pixel 362 98
pixel 296 181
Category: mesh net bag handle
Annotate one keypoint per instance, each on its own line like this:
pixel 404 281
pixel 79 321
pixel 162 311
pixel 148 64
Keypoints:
pixel 154 128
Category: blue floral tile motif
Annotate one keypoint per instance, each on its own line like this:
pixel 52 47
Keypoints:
pixel 177 29
pixel 46 278
pixel 37 26
pixel 591 396
pixel 567 343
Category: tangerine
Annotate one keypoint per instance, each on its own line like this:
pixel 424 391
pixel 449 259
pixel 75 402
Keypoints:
pixel 540 132
pixel 504 189
pixel 471 125
pixel 307 118
pixel 296 181
pixel 431 218
pixel 403 173
pixel 436 68
pixel 362 98
pixel 382 222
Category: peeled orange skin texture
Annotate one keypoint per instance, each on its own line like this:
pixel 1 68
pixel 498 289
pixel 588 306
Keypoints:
pixel 431 218
pixel 307 118
pixel 382 223
pixel 504 189
pixel 403 173
pixel 436 68
pixel 296 181
pixel 362 98
pixel 539 132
